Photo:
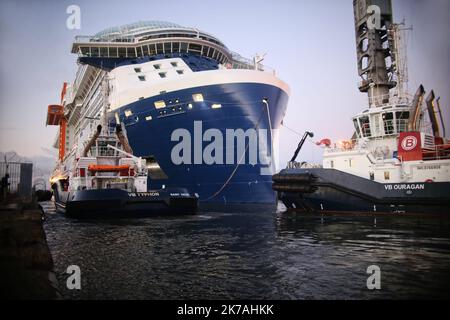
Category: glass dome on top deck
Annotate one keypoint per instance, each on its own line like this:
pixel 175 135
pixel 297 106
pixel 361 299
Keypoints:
pixel 146 38
pixel 141 30
pixel 136 28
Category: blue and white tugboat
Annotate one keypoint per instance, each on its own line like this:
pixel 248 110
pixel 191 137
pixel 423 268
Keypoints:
pixel 398 160
pixel 104 178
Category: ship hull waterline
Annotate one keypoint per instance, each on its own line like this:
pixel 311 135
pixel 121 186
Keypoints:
pixel 116 203
pixel 330 191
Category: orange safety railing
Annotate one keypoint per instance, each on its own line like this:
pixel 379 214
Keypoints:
pixel 439 152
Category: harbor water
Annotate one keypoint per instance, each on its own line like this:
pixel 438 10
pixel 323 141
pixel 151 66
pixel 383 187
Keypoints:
pixel 258 255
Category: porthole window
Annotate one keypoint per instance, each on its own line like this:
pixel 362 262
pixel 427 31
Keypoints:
pixel 142 78
pixel 198 97
pixel 160 104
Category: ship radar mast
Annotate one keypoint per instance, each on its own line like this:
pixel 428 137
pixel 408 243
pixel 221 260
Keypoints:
pixel 400 59
pixel 257 59
pixel 377 50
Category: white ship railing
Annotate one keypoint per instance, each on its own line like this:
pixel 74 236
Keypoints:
pixel 393 97
pixel 87 46
pixel 87 39
pixel 430 152
pixel 240 62
pixel 354 144
pixel 344 145
pixel 103 151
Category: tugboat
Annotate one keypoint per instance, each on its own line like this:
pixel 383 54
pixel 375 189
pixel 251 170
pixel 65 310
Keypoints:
pixel 102 177
pixel 398 160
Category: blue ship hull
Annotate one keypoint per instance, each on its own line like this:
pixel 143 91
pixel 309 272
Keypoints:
pixel 242 107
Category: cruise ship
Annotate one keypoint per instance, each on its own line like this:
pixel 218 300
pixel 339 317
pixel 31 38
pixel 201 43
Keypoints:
pixel 201 116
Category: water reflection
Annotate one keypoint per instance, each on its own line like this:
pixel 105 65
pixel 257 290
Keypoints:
pixel 251 255
pixel 413 254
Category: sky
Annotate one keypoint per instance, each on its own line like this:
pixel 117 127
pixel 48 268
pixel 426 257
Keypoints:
pixel 310 44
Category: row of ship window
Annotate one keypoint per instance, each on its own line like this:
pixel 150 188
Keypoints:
pixel 157 67
pixel 161 75
pixel 198 97
pixel 153 49
pixel 389 125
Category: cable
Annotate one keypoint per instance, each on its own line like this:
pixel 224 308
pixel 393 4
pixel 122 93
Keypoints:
pixel 299 134
pixel 242 157
pixel 291 129
pixel 247 145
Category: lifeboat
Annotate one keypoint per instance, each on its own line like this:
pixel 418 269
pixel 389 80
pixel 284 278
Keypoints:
pixel 107 168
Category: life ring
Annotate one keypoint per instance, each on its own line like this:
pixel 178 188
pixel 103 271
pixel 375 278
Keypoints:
pixel 429 180
pixel 347 145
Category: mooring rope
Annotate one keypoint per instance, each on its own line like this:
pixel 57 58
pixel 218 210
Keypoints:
pixel 245 151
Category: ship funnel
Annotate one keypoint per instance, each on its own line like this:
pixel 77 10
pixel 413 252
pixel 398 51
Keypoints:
pixel 432 113
pixel 123 139
pixel 92 141
pixel 415 109
pixel 440 116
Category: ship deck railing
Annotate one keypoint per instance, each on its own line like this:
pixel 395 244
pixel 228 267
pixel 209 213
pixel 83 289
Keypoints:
pixel 438 152
pixel 115 176
pixel 393 98
pixel 85 39
pixel 130 47
pixel 104 152
pixel 343 145
pixel 429 153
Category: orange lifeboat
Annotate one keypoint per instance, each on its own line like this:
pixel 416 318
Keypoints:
pixel 108 168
